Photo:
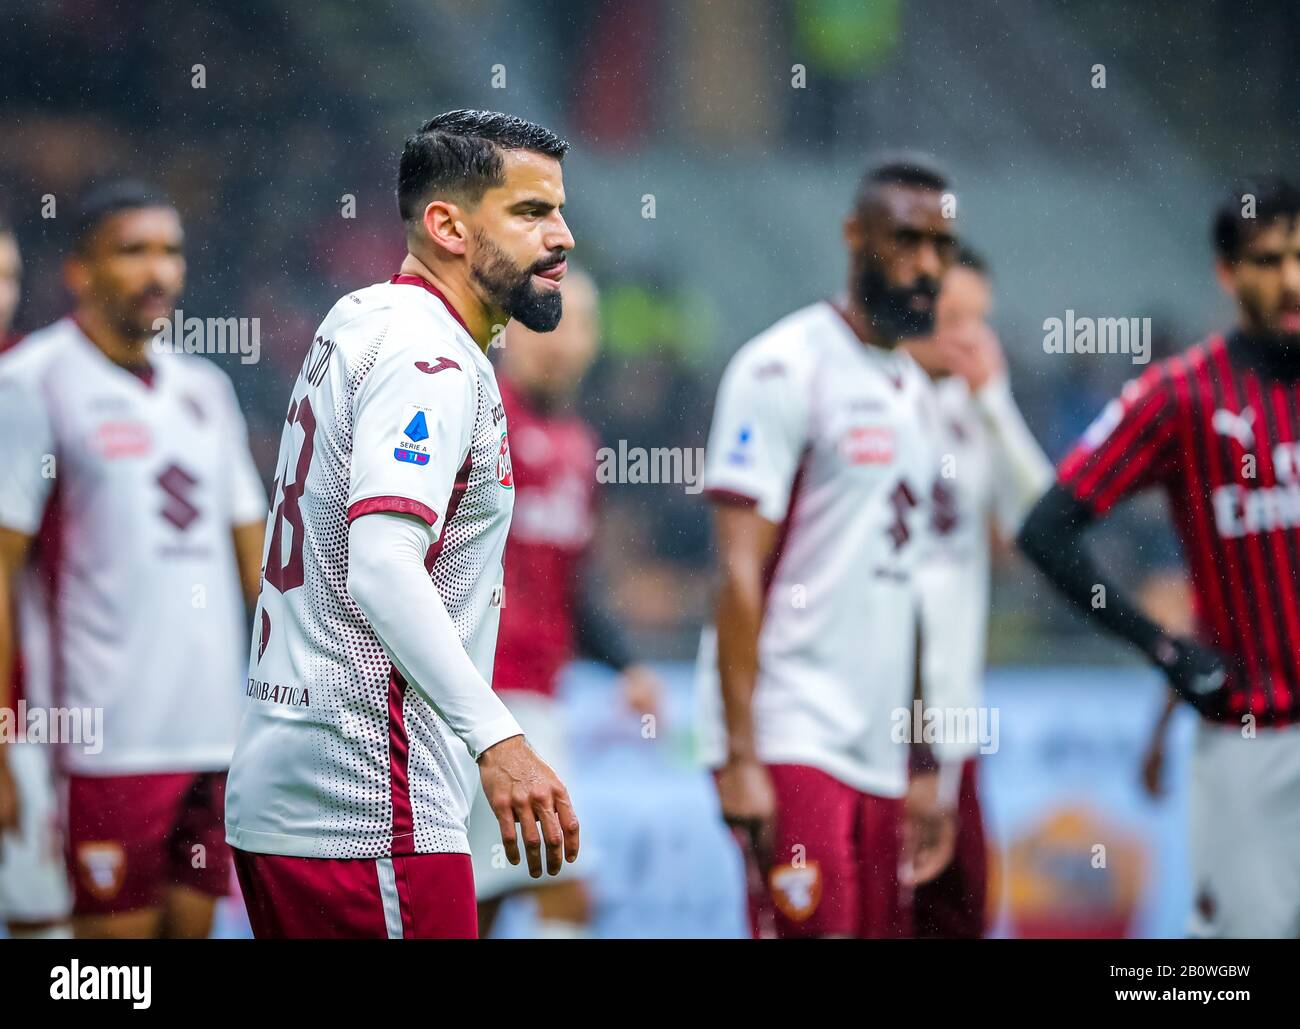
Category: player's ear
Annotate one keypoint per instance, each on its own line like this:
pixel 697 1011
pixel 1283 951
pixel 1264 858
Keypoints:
pixel 1225 276
pixel 76 274
pixel 853 234
pixel 443 223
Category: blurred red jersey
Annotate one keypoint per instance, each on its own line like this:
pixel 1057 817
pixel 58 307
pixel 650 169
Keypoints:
pixel 554 464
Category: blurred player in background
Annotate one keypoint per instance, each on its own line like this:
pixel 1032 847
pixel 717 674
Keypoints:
pixel 34 896
pixel 548 615
pixel 820 465
pixel 370 718
pixel 134 463
pixel 992 472
pixel 1218 428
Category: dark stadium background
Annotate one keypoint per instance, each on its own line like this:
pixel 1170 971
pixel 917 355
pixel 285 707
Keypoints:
pixel 1083 198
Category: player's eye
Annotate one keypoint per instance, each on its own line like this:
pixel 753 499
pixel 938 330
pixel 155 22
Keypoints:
pixel 1264 260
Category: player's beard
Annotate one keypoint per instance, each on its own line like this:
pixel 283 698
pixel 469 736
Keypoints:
pixel 890 307
pixel 510 289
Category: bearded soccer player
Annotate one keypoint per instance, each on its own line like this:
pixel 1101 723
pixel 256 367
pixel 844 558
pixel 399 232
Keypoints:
pixel 131 466
pixel 370 719
pixel 997 472
pixel 548 615
pixel 1218 429
pixel 820 465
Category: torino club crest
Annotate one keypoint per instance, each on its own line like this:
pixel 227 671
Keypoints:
pixel 504 475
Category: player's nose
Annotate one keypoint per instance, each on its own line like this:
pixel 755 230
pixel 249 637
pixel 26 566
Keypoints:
pixel 559 237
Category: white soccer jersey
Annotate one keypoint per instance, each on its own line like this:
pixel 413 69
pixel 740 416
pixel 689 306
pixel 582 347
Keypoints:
pixel 830 438
pixel 142 483
pixel 396 410
pixel 954 585
pixel 991 471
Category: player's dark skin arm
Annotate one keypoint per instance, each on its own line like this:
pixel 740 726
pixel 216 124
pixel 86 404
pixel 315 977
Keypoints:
pixel 248 556
pixel 1052 536
pixel 745 541
pixel 13 553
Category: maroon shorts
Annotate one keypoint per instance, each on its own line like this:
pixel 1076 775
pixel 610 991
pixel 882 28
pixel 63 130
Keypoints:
pixel 953 905
pixel 834 865
pixel 417 897
pixel 132 837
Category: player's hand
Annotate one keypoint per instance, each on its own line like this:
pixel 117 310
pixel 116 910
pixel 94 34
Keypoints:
pixel 9 809
pixel 929 831
pixel 972 351
pixel 642 690
pixel 521 788
pixel 748 804
pixel 1196 673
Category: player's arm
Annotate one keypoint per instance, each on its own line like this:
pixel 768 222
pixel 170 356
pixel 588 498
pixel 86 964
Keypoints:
pixel 757 439
pixel 1021 471
pixel 930 809
pixel 247 501
pixel 388 580
pixel 1153 758
pixel 13 554
pixel 745 540
pixel 1127 448
pixel 248 556
pixel 26 475
pixel 396 510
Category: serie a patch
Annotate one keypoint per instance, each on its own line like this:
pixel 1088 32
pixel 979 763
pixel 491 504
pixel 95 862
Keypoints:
pixel 412 447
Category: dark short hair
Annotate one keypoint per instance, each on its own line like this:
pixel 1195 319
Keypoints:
pixel 1275 197
pixel 106 199
pixel 969 257
pixel 458 155
pixel 900 169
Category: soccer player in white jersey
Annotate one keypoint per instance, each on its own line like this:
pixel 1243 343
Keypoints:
pixel 131 466
pixel 991 473
pixel 370 720
pixel 820 464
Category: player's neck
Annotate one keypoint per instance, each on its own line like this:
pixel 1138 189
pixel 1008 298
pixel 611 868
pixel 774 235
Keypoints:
pixel 125 350
pixel 460 295
pixel 855 315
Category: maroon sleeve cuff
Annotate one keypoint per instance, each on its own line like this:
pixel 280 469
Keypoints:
pixel 392 505
pixel 727 496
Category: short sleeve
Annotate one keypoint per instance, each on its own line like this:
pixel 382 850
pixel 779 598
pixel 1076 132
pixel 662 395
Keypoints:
pixel 758 435
pixel 1130 446
pixel 27 456
pixel 247 496
pixel 413 421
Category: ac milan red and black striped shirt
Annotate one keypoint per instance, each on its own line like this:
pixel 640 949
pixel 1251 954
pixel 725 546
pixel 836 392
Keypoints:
pixel 1218 428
